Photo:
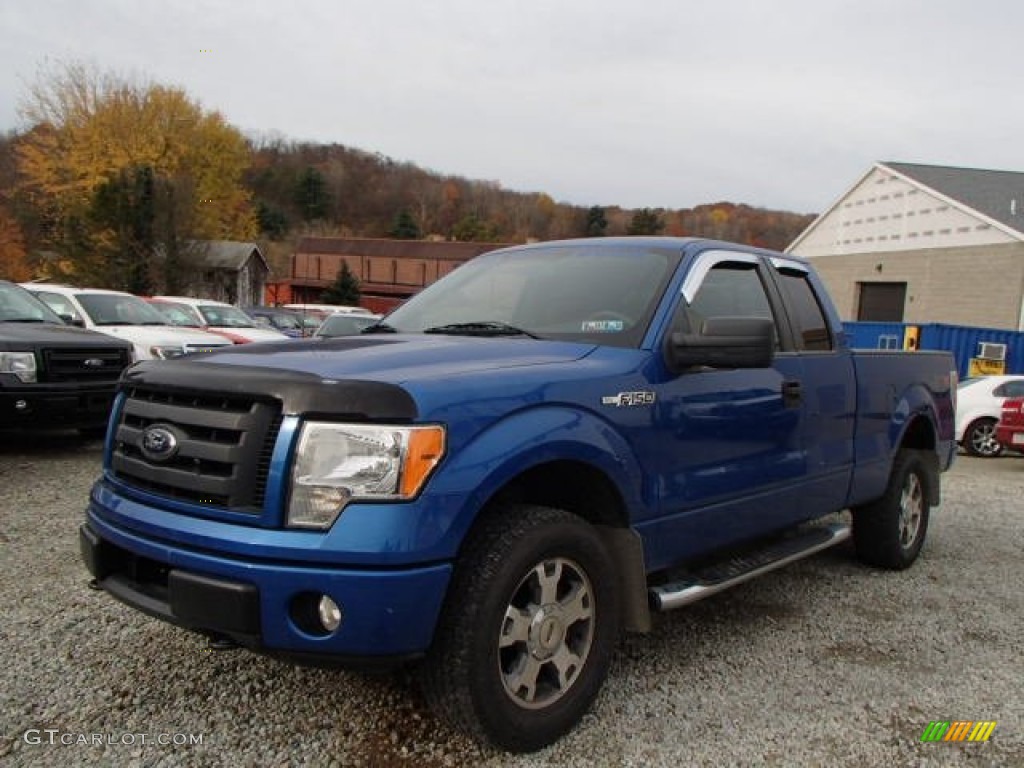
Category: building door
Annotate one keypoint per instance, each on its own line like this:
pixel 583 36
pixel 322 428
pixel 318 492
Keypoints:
pixel 881 302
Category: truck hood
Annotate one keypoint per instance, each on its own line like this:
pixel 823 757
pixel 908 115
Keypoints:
pixel 16 336
pixel 400 358
pixel 150 335
pixel 392 377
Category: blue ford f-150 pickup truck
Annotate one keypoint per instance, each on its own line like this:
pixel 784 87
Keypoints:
pixel 524 460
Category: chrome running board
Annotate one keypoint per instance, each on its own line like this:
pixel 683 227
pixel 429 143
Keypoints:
pixel 728 573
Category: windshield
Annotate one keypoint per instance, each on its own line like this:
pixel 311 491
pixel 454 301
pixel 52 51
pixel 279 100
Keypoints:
pixel 225 317
pixel 119 309
pixel 19 306
pixel 281 320
pixel 345 325
pixel 177 314
pixel 580 292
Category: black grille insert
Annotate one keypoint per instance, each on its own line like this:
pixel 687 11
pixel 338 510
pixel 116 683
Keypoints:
pixel 222 452
pixel 76 364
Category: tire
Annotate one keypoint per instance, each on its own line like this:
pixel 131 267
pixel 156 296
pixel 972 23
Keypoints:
pixel 980 439
pixel 889 532
pixel 528 630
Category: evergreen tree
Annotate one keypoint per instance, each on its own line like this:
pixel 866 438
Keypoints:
pixel 646 222
pixel 405 227
pixel 311 195
pixel 596 222
pixel 344 290
pixel 122 215
pixel 272 220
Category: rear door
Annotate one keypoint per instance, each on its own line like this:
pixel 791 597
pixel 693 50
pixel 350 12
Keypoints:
pixel 828 388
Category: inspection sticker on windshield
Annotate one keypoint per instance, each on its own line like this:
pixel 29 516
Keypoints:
pixel 602 326
pixel 627 399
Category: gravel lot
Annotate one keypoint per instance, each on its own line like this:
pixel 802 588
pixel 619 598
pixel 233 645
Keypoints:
pixel 823 663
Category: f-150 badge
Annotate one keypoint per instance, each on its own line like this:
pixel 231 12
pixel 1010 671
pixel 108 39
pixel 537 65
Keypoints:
pixel 626 399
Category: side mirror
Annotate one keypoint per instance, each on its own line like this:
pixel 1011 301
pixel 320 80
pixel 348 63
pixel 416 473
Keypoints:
pixel 724 342
pixel 71 320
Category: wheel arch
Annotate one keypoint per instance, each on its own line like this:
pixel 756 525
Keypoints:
pixel 920 436
pixel 586 491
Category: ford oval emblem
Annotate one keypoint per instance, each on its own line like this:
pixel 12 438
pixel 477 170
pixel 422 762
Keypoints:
pixel 158 443
pixel 94 362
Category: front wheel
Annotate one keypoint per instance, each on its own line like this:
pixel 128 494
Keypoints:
pixel 889 532
pixel 528 630
pixel 980 439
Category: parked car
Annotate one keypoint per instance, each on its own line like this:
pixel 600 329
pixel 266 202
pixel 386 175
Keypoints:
pixel 125 316
pixel 979 406
pixel 343 324
pixel 1010 429
pixel 218 317
pixel 53 374
pixel 327 309
pixel 284 320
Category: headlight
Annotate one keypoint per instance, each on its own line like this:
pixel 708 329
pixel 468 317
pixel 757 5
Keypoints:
pixel 21 364
pixel 339 463
pixel 166 352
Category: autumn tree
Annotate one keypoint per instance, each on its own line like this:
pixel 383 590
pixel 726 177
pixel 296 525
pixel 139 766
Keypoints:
pixel 13 262
pixel 344 290
pixel 471 228
pixel 94 137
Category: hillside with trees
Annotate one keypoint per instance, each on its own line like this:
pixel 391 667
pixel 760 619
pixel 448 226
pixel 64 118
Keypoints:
pixel 115 179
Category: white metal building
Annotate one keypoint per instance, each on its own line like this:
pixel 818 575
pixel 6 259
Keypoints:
pixel 924 243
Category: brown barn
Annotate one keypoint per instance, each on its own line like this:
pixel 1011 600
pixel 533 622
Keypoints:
pixel 389 271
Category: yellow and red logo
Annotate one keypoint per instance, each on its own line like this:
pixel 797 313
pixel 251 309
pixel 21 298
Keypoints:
pixel 958 730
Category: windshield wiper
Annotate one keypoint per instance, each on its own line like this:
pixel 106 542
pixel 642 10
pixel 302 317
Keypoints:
pixel 24 320
pixel 379 328
pixel 481 328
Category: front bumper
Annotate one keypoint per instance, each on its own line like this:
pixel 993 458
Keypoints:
pixel 55 406
pixel 387 613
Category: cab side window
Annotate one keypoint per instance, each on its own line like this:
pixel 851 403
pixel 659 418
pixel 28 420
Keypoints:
pixel 731 290
pixel 810 325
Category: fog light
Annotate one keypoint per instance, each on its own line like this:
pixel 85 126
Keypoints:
pixel 330 613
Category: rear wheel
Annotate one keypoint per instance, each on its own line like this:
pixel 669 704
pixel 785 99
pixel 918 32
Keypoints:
pixel 980 438
pixel 889 532
pixel 529 628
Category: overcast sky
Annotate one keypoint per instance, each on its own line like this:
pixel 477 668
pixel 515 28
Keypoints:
pixel 650 103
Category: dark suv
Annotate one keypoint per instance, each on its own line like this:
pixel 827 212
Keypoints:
pixel 53 374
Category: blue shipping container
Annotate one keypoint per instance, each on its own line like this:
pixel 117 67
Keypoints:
pixel 964 342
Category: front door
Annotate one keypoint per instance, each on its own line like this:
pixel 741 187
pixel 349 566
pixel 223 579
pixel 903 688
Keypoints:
pixel 730 457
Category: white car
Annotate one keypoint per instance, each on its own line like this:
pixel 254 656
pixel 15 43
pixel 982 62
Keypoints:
pixel 125 316
pixel 979 405
pixel 327 309
pixel 220 318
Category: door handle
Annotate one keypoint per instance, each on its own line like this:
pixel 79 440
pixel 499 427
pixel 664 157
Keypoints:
pixel 791 394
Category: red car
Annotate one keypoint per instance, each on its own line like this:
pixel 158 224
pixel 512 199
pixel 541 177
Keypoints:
pixel 1010 429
